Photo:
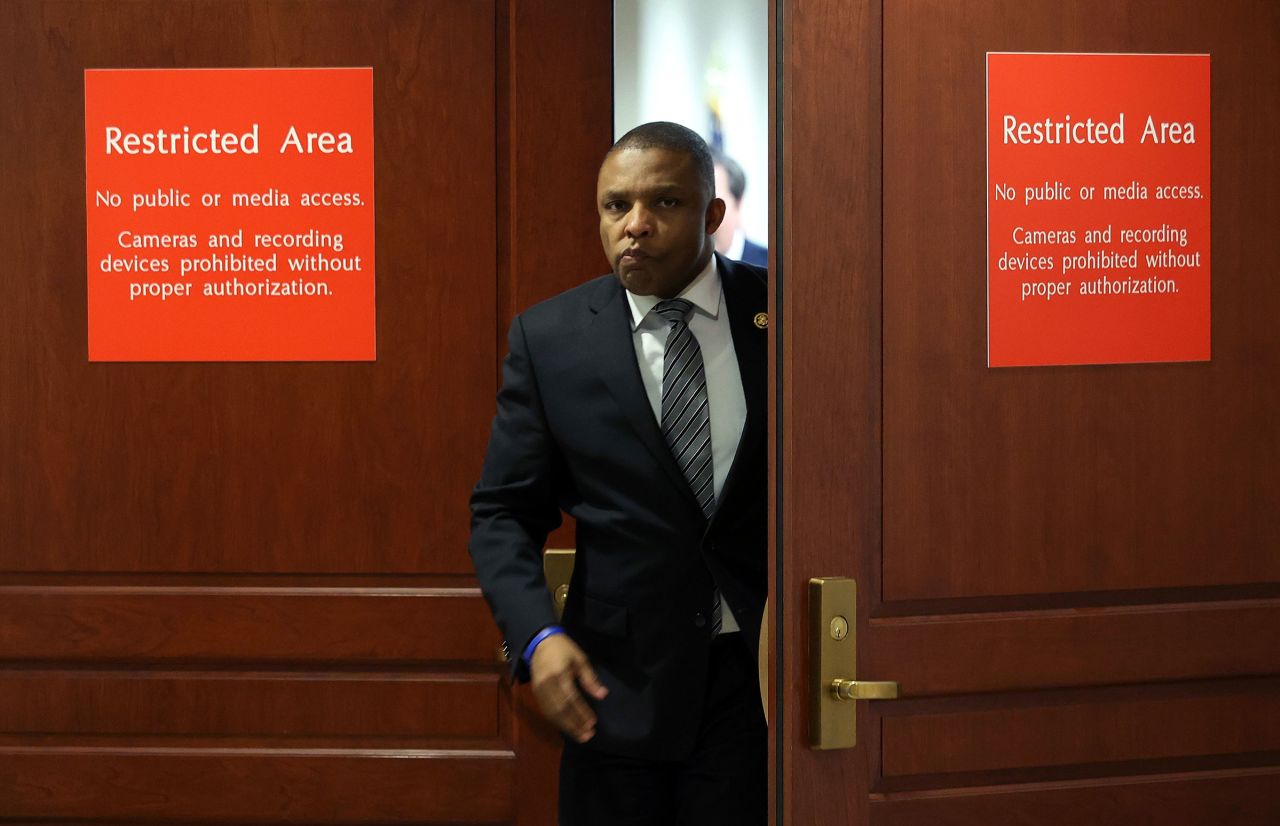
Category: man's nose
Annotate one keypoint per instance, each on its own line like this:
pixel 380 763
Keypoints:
pixel 639 222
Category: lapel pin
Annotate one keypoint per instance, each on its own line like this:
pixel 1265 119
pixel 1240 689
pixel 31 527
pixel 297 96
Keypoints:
pixel 761 320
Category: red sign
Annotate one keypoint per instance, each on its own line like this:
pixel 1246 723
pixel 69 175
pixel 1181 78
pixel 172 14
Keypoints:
pixel 1097 208
pixel 230 214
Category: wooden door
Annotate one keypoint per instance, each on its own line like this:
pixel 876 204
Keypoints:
pixel 240 592
pixel 1072 572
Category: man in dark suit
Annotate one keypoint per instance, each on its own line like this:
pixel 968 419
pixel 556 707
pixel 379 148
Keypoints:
pixel 636 403
pixel 731 241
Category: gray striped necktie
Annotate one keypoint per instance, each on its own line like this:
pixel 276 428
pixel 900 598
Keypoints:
pixel 686 416
pixel 686 419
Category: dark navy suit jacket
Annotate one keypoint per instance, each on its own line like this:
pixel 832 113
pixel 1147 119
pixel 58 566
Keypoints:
pixel 574 432
pixel 753 253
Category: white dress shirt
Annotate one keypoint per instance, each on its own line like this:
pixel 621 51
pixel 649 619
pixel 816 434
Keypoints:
pixel 709 323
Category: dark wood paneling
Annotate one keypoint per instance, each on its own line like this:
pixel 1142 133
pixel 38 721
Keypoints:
pixel 1071 478
pixel 301 704
pixel 555 122
pixel 357 625
pixel 262 554
pixel 1083 486
pixel 323 467
pixel 1049 649
pixel 829 307
pixel 1242 797
pixel 555 85
pixel 559 96
pixel 1080 728
pixel 149 785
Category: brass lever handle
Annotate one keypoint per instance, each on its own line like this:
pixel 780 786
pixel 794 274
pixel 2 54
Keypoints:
pixel 863 690
pixel 833 663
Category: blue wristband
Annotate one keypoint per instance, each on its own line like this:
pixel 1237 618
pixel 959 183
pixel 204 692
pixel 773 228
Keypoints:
pixel 549 631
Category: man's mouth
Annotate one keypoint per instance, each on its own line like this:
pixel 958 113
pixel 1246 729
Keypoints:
pixel 633 255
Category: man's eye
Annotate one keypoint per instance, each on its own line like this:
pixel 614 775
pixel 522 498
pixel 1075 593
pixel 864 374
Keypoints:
pixel 614 206
pixel 667 202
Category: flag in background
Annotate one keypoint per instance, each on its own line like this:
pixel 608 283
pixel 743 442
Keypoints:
pixel 715 88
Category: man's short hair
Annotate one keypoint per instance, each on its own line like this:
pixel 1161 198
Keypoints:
pixel 733 170
pixel 673 137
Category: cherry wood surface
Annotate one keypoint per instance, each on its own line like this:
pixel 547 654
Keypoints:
pixel 558 89
pixel 1070 479
pixel 1077 728
pixel 556 81
pixel 1231 797
pixel 994 651
pixel 240 593
pixel 411 705
pixel 825 252
pixel 1070 571
pixel 270 467
pixel 275 624
pixel 258 785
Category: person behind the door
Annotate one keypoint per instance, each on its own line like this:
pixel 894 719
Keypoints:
pixel 636 403
pixel 731 185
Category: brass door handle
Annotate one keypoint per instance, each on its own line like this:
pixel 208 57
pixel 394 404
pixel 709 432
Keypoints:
pixel 833 653
pixel 557 567
pixel 863 690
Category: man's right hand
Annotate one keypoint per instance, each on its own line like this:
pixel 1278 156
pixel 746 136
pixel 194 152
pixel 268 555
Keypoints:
pixel 557 670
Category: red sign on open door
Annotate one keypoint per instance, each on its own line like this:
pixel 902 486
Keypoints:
pixel 1097 208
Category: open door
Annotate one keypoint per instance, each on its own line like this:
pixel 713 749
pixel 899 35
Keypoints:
pixel 1071 573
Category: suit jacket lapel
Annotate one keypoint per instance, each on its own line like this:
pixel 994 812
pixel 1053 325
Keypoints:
pixel 745 297
pixel 613 351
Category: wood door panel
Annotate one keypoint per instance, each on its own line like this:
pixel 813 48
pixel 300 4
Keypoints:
pixel 258 785
pixel 966 654
pixel 263 467
pixel 240 592
pixel 1233 797
pixel 245 625
pixel 1069 571
pixel 824 368
pixel 1019 481
pixel 1080 728
pixel 415 708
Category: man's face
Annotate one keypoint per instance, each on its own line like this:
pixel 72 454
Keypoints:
pixel 656 220
pixel 729 226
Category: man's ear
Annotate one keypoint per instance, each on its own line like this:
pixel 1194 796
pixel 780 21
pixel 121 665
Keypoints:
pixel 715 214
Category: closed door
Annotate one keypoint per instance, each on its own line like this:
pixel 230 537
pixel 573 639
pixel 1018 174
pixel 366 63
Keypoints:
pixel 240 592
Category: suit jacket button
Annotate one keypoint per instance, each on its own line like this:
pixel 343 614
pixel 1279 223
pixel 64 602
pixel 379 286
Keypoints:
pixel 699 620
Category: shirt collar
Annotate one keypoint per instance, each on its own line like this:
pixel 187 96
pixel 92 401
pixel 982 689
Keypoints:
pixel 736 246
pixel 703 292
